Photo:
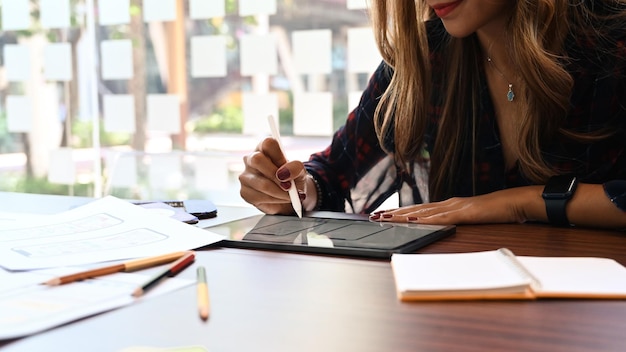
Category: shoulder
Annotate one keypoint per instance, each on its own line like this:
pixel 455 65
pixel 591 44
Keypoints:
pixel 599 48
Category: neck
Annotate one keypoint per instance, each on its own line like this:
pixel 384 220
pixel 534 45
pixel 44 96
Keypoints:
pixel 493 40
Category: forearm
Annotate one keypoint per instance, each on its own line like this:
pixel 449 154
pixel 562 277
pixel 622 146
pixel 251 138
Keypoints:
pixel 588 207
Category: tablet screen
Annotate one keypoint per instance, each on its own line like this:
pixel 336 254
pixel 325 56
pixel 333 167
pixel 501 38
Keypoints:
pixel 330 233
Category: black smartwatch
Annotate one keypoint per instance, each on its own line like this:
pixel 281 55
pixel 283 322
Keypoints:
pixel 557 192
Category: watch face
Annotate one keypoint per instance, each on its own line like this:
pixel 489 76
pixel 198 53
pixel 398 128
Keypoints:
pixel 560 187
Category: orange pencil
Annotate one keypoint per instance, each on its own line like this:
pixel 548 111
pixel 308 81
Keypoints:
pixel 204 305
pixel 129 266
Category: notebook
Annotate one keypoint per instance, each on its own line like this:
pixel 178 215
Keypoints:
pixel 331 233
pixel 499 274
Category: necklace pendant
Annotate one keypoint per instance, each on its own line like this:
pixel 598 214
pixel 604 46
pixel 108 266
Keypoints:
pixel 510 95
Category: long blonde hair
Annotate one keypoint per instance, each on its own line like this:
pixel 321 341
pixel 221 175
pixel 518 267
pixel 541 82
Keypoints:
pixel 536 34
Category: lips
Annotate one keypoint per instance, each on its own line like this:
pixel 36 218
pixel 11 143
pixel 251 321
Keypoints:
pixel 442 10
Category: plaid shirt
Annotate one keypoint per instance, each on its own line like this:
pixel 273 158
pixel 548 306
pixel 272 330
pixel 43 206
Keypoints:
pixel 356 175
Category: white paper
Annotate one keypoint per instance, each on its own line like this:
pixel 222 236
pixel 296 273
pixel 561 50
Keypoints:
pixel 62 168
pixel 17 62
pixel 451 272
pixel 203 9
pixel 32 308
pixel 208 56
pixel 357 4
pixel 58 62
pixel 165 171
pixel 119 113
pixel 117 59
pixel 257 7
pixel 163 113
pixel 111 12
pixel 313 114
pixel 8 219
pixel 258 54
pixel 15 15
pixel 103 230
pixel 19 113
pixel 363 54
pixel 312 51
pixel 123 170
pixel 577 275
pixel 54 13
pixel 256 109
pixel 159 10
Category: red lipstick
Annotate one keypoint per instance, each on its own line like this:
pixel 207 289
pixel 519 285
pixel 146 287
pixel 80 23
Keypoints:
pixel 442 10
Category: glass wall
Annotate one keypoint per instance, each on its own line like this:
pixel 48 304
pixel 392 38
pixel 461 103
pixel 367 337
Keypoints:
pixel 160 99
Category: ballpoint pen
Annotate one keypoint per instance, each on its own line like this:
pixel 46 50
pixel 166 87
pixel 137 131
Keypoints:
pixel 172 270
pixel 293 192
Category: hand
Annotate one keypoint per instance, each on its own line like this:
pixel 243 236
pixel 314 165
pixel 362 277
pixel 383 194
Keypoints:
pixel 504 206
pixel 267 178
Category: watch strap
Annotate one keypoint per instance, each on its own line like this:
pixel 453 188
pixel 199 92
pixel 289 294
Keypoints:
pixel 555 209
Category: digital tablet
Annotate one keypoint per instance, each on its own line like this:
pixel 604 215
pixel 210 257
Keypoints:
pixel 330 233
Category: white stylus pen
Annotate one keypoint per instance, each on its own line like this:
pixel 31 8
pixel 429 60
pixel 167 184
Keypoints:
pixel 293 192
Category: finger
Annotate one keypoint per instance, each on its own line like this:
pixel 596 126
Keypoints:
pixel 271 148
pixel 259 190
pixel 292 171
pixel 260 164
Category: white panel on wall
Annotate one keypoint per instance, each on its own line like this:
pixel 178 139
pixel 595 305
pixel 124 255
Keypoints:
pixel 62 169
pixel 202 9
pixel 58 62
pixel 356 4
pixel 256 109
pixel 119 113
pixel 363 55
pixel 313 114
pixel 163 112
pixel 112 12
pixel 19 111
pixel 258 55
pixel 257 7
pixel 211 173
pixel 123 169
pixel 353 100
pixel 15 15
pixel 17 62
pixel 312 51
pixel 117 59
pixel 208 56
pixel 165 171
pixel 159 10
pixel 54 13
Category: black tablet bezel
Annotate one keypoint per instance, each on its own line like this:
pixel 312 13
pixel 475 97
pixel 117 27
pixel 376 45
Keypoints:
pixel 245 225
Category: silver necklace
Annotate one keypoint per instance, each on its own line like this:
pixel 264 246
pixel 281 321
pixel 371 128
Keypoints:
pixel 509 95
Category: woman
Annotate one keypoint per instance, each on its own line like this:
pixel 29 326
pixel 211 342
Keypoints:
pixel 490 111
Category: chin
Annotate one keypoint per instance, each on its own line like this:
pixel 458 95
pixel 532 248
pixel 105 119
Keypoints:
pixel 458 31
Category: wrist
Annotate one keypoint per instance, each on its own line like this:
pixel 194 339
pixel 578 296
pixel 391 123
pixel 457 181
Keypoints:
pixel 313 198
pixel 532 206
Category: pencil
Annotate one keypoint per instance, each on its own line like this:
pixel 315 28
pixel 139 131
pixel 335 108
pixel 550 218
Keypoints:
pixel 204 305
pixel 293 192
pixel 128 266
pixel 172 270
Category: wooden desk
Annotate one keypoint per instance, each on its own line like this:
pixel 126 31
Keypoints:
pixel 271 301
